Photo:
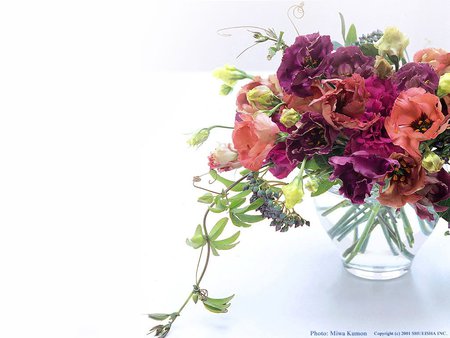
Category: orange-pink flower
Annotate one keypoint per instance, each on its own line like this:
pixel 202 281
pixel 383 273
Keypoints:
pixel 438 58
pixel 406 180
pixel 415 117
pixel 253 138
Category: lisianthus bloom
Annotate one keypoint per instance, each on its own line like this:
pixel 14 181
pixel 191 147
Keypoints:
pixel 382 95
pixel 347 61
pixel 416 75
pixel 282 166
pixel 374 140
pixel 405 181
pixel 261 97
pixel 393 42
pixel 437 189
pixel 305 104
pixel 242 102
pixel 293 192
pixel 359 172
pixel 303 62
pixel 415 117
pixel 438 58
pixel 253 138
pixel 313 136
pixel 289 117
pixel 224 158
pixel 344 104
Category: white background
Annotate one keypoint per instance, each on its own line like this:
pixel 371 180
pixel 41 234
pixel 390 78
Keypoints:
pixel 96 99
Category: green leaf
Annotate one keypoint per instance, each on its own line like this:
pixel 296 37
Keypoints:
pixel 218 228
pixel 158 316
pixel 214 309
pixel 252 206
pixel 351 36
pixel 245 172
pixel 220 301
pixel 227 183
pixel 369 49
pixel 250 218
pixel 198 240
pixel 324 185
pixel 228 243
pixel 445 214
pixel 206 198
pixel 214 250
pixel 343 30
pixel 336 45
pixel 236 203
pixel 237 222
pixel 241 195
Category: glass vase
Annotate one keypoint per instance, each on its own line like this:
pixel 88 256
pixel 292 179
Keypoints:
pixel 376 242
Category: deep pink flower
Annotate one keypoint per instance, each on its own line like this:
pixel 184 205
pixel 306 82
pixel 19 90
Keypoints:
pixel 416 75
pixel 303 62
pixel 282 166
pixel 346 61
pixel 359 172
pixel 382 95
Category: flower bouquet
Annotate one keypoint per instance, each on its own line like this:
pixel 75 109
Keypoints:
pixel 356 124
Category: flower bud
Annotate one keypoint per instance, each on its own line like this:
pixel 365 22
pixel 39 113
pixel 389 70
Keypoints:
pixel 312 185
pixel 230 75
pixel 261 97
pixel 199 137
pixel 432 162
pixel 293 192
pixel 224 158
pixel 383 68
pixel 289 117
pixel 393 42
pixel 444 85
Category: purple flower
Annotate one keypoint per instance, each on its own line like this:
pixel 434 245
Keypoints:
pixel 437 189
pixel 282 166
pixel 413 74
pixel 359 172
pixel 303 62
pixel 374 140
pixel 314 136
pixel 382 95
pixel 347 61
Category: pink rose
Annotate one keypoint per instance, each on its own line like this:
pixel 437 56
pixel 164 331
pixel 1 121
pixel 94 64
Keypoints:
pixel 253 138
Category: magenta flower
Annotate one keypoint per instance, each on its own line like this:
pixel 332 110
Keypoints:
pixel 413 74
pixel 314 136
pixel 303 62
pixel 359 172
pixel 382 95
pixel 347 61
pixel 374 140
pixel 282 166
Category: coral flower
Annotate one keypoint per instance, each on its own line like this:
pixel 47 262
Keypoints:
pixel 415 117
pixel 344 104
pixel 253 138
pixel 438 58
pixel 405 181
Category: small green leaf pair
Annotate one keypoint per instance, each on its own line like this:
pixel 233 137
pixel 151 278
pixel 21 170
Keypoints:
pixel 351 37
pixel 217 305
pixel 162 316
pixel 224 244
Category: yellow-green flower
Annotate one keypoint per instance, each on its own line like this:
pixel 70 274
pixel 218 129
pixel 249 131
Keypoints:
pixel 261 97
pixel 432 162
pixel 383 68
pixel 289 117
pixel 199 137
pixel 444 85
pixel 393 42
pixel 293 192
pixel 312 185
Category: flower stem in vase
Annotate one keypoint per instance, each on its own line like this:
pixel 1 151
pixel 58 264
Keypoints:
pixel 365 234
pixel 407 227
pixel 350 215
pixel 349 227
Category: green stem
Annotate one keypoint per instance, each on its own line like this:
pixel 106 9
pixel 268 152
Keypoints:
pixel 341 204
pixel 352 226
pixel 407 227
pixel 365 233
pixel 219 126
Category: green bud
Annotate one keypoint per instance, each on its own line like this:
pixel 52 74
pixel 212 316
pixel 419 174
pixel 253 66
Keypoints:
pixel 432 162
pixel 289 117
pixel 225 89
pixel 444 85
pixel 312 185
pixel 230 75
pixel 261 97
pixel 293 192
pixel 199 137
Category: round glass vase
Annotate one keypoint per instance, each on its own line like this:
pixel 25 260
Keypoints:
pixel 376 242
